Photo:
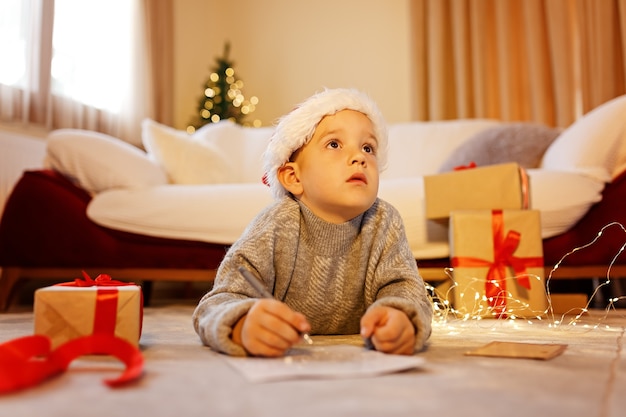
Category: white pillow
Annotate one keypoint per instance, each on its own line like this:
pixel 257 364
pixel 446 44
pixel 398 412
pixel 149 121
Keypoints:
pixel 98 162
pixel 185 158
pixel 563 198
pixel 245 145
pixel 594 144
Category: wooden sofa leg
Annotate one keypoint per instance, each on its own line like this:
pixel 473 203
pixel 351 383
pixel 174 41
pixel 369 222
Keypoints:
pixel 8 279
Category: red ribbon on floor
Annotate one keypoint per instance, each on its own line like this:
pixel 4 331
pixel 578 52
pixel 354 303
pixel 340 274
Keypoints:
pixel 28 361
pixel 503 249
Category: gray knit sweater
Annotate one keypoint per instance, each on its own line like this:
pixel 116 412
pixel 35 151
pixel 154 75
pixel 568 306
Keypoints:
pixel 331 273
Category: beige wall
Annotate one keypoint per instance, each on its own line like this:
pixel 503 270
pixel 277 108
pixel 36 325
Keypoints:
pixel 286 50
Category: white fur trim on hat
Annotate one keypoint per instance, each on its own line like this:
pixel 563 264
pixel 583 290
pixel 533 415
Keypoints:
pixel 296 128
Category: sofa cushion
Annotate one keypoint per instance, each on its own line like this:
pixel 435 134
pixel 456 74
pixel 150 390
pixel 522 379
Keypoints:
pixel 562 197
pixel 524 143
pixel 242 145
pixel 419 148
pixel 185 158
pixel 98 162
pixel 595 143
pixel 213 213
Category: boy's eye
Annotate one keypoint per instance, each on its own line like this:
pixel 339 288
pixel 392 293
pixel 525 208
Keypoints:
pixel 333 144
pixel 369 149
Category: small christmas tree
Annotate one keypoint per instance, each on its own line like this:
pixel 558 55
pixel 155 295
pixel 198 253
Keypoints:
pixel 223 98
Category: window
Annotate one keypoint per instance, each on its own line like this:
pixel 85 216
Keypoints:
pixel 13 26
pixel 91 51
pixel 67 63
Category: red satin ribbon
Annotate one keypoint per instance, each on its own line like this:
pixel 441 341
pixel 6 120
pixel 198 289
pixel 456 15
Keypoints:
pixel 27 361
pixel 503 249
pixel 105 317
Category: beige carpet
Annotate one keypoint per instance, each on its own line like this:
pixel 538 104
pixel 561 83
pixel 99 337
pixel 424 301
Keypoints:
pixel 183 378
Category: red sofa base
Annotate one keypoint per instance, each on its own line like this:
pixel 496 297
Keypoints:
pixel 46 234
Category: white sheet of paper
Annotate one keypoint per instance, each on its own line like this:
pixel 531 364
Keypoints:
pixel 329 362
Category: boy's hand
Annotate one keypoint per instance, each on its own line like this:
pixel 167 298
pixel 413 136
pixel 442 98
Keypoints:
pixel 270 328
pixel 389 329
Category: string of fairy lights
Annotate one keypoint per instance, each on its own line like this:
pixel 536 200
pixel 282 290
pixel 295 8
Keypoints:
pixel 463 301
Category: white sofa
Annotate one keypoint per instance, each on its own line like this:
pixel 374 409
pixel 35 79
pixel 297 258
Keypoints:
pixel 207 186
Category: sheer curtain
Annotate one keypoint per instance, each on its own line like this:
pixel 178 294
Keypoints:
pixel 100 66
pixel 546 61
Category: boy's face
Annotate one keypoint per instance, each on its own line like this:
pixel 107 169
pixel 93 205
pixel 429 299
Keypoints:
pixel 337 170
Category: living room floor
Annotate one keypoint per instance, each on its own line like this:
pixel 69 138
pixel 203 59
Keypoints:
pixel 183 377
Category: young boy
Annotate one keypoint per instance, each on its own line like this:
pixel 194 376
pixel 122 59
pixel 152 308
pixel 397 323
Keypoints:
pixel 334 256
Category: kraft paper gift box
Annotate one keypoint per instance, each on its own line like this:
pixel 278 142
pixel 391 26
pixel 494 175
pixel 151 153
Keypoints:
pixel 497 260
pixel 65 312
pixel 500 186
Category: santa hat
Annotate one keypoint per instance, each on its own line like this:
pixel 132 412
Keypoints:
pixel 296 128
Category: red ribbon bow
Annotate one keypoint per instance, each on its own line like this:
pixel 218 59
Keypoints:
pixel 471 165
pixel 503 249
pixel 102 280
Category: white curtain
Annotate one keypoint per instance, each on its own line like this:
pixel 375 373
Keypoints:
pixel 95 72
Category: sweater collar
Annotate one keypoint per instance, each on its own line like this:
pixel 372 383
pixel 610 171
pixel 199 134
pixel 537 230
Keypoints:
pixel 328 238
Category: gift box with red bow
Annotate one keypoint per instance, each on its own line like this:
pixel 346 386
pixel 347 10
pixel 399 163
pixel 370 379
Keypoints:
pixel 497 260
pixel 87 306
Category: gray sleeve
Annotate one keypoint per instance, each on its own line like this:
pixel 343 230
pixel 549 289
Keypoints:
pixel 214 319
pixel 398 283
pixel 231 296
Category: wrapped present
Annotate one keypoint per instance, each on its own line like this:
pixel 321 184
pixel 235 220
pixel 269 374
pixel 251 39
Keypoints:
pixel 500 186
pixel 84 307
pixel 497 260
